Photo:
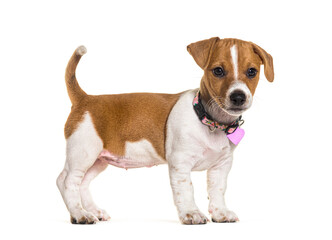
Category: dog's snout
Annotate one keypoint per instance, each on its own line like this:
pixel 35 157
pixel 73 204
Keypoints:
pixel 238 98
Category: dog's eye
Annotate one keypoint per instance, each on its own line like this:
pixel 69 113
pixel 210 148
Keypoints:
pixel 251 72
pixel 218 72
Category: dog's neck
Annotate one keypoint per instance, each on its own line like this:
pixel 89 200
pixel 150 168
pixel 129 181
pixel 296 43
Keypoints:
pixel 213 109
pixel 218 114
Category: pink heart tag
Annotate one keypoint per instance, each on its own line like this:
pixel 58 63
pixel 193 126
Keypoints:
pixel 236 136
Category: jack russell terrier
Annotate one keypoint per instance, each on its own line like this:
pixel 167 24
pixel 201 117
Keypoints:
pixel 190 131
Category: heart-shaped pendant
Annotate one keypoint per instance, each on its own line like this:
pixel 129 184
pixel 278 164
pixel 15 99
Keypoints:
pixel 236 136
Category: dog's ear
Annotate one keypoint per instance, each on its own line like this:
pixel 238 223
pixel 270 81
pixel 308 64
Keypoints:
pixel 267 60
pixel 201 51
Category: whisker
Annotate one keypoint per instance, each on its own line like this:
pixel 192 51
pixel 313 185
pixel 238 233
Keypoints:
pixel 219 101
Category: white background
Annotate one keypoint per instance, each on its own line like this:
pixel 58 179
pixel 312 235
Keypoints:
pixel 280 184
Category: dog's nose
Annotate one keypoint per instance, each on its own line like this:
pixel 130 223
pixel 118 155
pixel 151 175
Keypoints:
pixel 238 98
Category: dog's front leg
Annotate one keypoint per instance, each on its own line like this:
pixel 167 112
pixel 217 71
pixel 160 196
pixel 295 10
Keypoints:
pixel 183 194
pixel 217 183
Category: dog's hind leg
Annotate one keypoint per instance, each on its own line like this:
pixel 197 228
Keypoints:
pixel 87 201
pixel 83 148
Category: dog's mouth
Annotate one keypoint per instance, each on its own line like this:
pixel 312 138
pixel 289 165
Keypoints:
pixel 234 111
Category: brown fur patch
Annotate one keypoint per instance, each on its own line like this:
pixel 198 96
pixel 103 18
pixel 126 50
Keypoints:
pixel 126 117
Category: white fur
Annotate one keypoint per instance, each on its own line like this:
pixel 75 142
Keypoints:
pixel 190 146
pixel 237 84
pixel 143 153
pixel 83 148
pixel 86 198
pixel 234 61
pixel 81 50
pixel 137 154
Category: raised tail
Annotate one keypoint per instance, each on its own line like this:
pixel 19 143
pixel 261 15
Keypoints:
pixel 75 92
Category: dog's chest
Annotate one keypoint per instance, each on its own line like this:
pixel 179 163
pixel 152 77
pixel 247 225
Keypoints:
pixel 191 142
pixel 212 152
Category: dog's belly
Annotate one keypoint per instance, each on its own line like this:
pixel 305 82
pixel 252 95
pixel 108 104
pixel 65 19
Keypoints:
pixel 137 154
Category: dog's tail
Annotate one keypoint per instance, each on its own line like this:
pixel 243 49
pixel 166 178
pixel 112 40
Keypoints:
pixel 75 92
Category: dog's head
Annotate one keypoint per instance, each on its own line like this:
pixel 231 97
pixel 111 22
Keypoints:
pixel 231 72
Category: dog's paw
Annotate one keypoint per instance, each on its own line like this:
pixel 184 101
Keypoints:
pixel 223 215
pixel 83 217
pixel 193 217
pixel 101 214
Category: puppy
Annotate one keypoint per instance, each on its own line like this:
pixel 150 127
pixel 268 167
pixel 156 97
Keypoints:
pixel 194 130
